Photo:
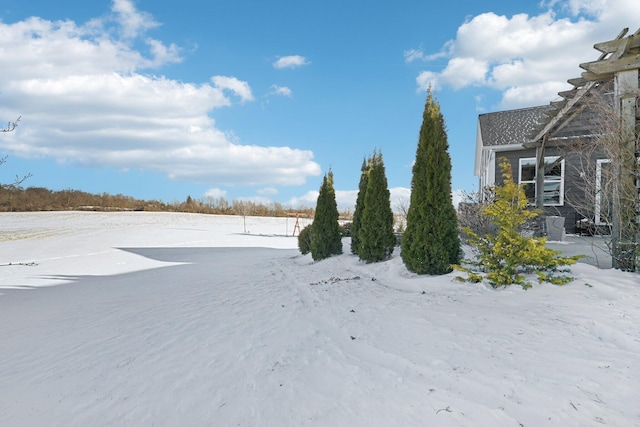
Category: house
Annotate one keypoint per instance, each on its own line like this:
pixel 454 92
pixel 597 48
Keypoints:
pixel 506 135
pixel 551 148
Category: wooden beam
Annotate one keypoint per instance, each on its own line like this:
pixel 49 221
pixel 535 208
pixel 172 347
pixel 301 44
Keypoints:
pixel 568 94
pixel 578 82
pixel 592 77
pixel 573 115
pixel 583 84
pixel 608 67
pixel 612 45
pixel 539 126
pixel 570 103
pixel 631 42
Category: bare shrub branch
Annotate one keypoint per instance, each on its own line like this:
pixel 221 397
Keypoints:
pixel 606 165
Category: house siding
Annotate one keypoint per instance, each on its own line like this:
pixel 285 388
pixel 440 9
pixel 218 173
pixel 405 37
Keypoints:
pixel 574 186
pixel 505 134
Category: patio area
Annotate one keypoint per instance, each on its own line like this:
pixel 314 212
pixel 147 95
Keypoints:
pixel 593 248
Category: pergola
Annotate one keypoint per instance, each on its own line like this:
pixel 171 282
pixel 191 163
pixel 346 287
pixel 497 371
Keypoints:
pixel 619 63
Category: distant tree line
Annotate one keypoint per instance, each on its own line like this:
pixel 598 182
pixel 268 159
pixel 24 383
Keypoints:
pixel 17 199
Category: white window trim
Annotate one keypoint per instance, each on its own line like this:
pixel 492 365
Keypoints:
pixel 547 160
pixel 487 161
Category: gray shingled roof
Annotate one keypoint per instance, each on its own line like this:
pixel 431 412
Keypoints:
pixel 512 126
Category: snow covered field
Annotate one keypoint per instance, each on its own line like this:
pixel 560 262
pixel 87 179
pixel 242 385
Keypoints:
pixel 184 320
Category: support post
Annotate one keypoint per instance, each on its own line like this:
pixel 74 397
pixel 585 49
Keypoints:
pixel 625 200
pixel 540 173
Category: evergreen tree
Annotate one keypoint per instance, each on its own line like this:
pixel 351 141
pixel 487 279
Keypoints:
pixel 304 240
pixel 430 243
pixel 377 240
pixel 508 255
pixel 357 214
pixel 325 231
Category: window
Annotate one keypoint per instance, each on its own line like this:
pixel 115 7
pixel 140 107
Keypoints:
pixel 553 180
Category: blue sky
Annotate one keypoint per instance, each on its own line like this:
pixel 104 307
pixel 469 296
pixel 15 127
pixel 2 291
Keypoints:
pixel 257 100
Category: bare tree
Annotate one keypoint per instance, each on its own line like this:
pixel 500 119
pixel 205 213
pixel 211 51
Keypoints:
pixel 400 216
pixel 470 212
pixel 11 126
pixel 607 173
pixel 16 182
pixel 244 208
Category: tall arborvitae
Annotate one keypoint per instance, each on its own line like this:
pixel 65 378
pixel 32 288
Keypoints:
pixel 357 214
pixel 325 233
pixel 376 230
pixel 430 243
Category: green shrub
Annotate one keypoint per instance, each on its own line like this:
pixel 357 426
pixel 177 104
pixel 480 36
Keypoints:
pixel 359 210
pixel 507 255
pixel 376 238
pixel 304 240
pixel 326 239
pixel 345 229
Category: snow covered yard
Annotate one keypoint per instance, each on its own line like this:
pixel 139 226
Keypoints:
pixel 180 319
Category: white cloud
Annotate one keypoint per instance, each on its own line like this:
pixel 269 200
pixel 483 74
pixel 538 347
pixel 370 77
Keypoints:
pixel 268 191
pixel 163 54
pixel 457 196
pixel 413 55
pixel 133 21
pixel 400 197
pixel 517 96
pixel 346 199
pixel 280 91
pixel 258 200
pixel 419 55
pixel 215 193
pixel 529 58
pixel 84 100
pixel 592 7
pixel 428 79
pixel 236 86
pixel 292 61
pixel 461 72
pixel 307 200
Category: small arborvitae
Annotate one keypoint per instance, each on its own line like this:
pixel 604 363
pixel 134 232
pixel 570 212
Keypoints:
pixel 304 240
pixel 430 242
pixel 326 239
pixel 377 240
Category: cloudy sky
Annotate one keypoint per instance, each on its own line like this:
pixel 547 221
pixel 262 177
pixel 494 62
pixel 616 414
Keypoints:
pixel 257 100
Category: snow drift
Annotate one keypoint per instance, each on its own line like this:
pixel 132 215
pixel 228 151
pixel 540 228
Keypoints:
pixel 182 319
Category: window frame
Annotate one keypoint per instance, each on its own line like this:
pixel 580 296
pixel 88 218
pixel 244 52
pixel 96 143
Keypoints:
pixel 548 160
